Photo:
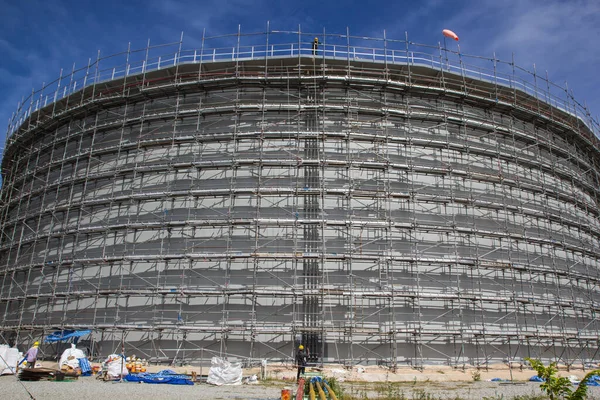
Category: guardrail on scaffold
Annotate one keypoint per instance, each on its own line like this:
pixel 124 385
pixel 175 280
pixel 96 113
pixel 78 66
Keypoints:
pixel 276 44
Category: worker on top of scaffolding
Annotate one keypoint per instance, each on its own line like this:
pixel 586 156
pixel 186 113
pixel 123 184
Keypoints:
pixel 301 361
pixel 315 46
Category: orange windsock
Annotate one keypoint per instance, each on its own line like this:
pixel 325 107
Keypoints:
pixel 450 34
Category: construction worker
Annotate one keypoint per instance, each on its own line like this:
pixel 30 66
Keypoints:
pixel 315 46
pixel 301 361
pixel 31 355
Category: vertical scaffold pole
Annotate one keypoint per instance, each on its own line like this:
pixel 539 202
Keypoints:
pixel 31 105
pixel 85 79
pixel 237 55
pixel 145 66
pixel 549 97
pixel 408 58
pixel 41 100
pixel 55 94
pixel 495 78
pixel 462 69
pixel 323 52
pixel 201 54
pixel 126 68
pixel 122 354
pixel 578 125
pixel 299 52
pixel 443 81
pixel 267 49
pixel 321 151
pixel 537 98
pixel 178 58
pixel 385 56
pixel 514 83
pixel 348 50
pixel 96 76
pixel 69 89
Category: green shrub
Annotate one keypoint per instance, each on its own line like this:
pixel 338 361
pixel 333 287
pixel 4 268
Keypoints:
pixel 560 387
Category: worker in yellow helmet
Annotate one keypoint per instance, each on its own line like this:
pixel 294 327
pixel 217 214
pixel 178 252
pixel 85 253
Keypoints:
pixel 315 46
pixel 301 361
pixel 31 356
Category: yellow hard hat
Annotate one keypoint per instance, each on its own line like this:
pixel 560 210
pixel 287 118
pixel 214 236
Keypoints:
pixel 316 39
pixel 36 344
pixel 301 347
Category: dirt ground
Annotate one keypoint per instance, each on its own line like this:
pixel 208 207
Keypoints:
pixel 359 382
pixel 427 374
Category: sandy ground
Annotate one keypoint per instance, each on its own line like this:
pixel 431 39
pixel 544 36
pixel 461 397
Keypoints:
pixel 362 382
pixel 407 374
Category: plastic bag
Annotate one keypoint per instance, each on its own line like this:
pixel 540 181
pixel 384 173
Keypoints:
pixel 223 372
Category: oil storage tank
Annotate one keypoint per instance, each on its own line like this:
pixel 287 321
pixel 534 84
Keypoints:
pixel 380 202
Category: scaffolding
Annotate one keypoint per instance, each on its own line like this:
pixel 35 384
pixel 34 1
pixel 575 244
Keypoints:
pixel 380 201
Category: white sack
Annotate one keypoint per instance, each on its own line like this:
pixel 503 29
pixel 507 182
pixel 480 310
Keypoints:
pixel 224 373
pixel 10 356
pixel 116 366
pixel 73 351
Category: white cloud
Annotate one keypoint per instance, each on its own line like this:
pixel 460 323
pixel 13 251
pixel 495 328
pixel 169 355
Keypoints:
pixel 555 33
pixel 558 36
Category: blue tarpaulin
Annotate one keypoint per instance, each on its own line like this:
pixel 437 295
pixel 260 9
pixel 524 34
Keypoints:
pixel 594 380
pixel 164 376
pixel 60 336
pixel 536 378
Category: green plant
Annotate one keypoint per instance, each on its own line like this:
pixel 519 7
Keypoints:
pixel 560 387
pixel 476 375
pixel 581 391
pixel 554 386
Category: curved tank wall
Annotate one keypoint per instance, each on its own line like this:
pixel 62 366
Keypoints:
pixel 375 212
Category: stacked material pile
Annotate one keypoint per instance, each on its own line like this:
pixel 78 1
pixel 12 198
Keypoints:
pixel 135 364
pixel 71 359
pixel 38 374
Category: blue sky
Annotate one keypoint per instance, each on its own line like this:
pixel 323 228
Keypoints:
pixel 38 37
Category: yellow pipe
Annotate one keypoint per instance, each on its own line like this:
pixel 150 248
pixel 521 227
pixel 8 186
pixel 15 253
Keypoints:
pixel 331 393
pixel 321 392
pixel 311 391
